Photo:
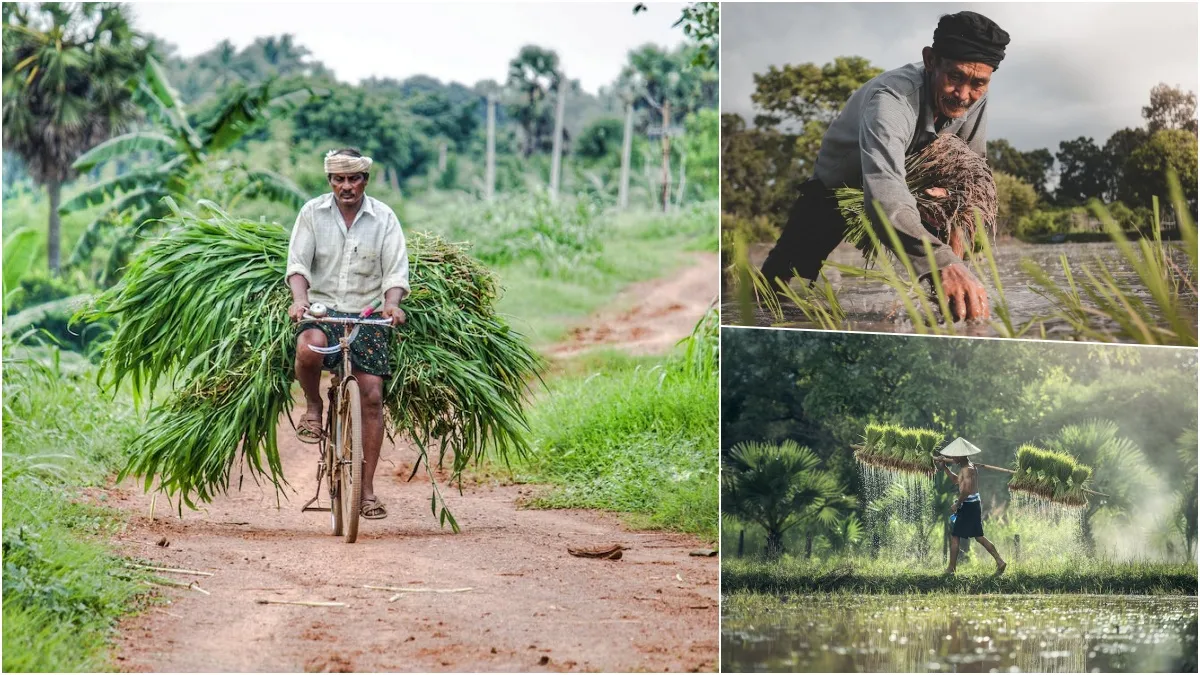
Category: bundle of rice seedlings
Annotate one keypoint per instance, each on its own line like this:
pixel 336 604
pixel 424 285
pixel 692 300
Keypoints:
pixel 204 309
pixel 899 448
pixel 947 163
pixel 1053 476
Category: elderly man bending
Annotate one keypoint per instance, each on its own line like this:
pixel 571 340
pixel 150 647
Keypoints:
pixel 892 116
pixel 347 250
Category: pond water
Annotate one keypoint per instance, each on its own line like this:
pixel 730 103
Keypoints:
pixel 871 306
pixel 971 634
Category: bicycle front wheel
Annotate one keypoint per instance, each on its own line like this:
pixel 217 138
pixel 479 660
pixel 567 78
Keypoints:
pixel 350 459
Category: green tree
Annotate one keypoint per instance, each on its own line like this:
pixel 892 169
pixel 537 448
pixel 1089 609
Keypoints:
pixel 1117 150
pixel 1170 108
pixel 1146 169
pixel 1188 507
pixel 180 154
pixel 371 122
pixel 533 75
pixel 1082 172
pixel 68 73
pixel 780 487
pixel 1015 199
pixel 1032 167
pixel 602 138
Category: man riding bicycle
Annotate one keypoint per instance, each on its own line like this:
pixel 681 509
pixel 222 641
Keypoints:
pixel 346 250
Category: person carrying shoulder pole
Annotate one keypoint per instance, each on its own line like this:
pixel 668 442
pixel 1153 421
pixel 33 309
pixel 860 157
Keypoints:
pixel 966 516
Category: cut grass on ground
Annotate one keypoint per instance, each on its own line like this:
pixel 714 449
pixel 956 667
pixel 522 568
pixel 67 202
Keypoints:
pixel 794 576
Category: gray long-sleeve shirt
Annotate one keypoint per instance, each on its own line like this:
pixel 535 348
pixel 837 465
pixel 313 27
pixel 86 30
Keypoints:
pixel 888 118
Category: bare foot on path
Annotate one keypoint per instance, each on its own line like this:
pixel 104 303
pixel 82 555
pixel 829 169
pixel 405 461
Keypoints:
pixel 531 607
pixel 657 314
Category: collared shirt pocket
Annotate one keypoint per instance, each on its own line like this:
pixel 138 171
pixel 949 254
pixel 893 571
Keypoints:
pixel 366 260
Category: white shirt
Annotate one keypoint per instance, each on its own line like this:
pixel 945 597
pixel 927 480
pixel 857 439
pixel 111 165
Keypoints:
pixel 348 268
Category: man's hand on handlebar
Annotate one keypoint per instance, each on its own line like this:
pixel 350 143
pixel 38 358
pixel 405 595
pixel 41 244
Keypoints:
pixel 394 313
pixel 297 310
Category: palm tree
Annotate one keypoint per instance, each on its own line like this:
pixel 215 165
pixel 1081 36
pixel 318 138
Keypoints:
pixel 181 154
pixel 533 75
pixel 780 487
pixel 1121 470
pixel 1186 447
pixel 68 73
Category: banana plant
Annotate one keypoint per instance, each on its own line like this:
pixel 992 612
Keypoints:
pixel 181 154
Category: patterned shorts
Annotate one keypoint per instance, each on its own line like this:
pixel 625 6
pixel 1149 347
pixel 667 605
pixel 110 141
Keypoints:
pixel 368 352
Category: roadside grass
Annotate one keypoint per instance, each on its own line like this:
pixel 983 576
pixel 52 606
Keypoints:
pixel 636 435
pixel 899 577
pixel 64 587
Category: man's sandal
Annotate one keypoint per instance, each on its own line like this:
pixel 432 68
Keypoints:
pixel 373 509
pixel 309 431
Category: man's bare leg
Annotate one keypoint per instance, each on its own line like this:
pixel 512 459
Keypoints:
pixel 953 555
pixel 308 372
pixel 1000 564
pixel 371 389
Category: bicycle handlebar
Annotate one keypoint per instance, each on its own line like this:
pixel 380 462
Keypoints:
pixel 346 320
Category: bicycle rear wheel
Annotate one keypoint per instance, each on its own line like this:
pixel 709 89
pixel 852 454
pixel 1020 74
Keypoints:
pixel 350 450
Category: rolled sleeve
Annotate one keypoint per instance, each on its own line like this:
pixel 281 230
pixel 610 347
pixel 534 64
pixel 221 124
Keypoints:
pixel 301 247
pixel 395 259
pixel 883 140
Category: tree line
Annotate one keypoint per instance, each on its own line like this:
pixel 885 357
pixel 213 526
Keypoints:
pixel 1040 191
pixel 77 76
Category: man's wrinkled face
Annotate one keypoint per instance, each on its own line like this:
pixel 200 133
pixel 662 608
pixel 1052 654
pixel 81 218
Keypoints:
pixel 957 85
pixel 348 188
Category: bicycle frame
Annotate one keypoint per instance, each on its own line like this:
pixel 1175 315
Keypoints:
pixel 336 401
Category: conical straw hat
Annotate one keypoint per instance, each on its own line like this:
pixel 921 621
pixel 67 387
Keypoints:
pixel 960 447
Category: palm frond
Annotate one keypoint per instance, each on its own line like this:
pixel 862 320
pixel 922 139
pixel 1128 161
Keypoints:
pixel 138 141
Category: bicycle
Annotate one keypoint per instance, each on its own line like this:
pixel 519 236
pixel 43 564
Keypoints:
pixel 341 456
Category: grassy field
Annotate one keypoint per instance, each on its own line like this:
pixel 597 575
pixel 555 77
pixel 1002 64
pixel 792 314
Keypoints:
pixel 638 436
pixel 64 587
pixel 898 577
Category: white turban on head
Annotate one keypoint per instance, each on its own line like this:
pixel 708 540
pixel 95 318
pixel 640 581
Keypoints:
pixel 335 163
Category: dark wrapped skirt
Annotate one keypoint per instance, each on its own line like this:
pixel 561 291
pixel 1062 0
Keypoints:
pixel 368 352
pixel 969 522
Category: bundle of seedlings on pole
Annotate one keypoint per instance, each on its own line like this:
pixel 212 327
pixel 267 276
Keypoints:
pixel 1053 476
pixel 947 163
pixel 899 448
pixel 204 310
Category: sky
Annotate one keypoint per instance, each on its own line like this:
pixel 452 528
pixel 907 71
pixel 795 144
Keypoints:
pixel 453 42
pixel 1071 69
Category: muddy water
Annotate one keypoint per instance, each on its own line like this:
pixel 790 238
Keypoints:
pixel 978 634
pixel 870 306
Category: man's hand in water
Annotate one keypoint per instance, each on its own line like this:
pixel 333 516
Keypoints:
pixel 967 297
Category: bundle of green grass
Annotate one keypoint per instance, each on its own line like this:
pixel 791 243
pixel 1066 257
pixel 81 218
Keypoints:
pixel 204 309
pixel 899 448
pixel 1053 476
pixel 947 163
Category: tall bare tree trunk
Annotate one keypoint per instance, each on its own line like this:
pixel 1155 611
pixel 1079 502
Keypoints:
pixel 666 156
pixel 489 180
pixel 626 150
pixel 53 234
pixel 682 178
pixel 556 160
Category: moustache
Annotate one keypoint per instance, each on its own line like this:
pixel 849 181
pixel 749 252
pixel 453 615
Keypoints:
pixel 955 104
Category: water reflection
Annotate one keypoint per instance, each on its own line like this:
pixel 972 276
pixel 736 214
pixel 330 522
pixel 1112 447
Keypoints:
pixel 870 306
pixel 977 634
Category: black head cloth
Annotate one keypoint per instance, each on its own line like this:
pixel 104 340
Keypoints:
pixel 970 37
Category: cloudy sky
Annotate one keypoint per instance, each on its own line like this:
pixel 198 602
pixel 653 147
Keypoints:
pixel 462 42
pixel 1072 69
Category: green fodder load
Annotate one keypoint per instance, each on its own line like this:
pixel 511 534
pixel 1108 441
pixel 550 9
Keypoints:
pixel 948 163
pixel 899 448
pixel 205 309
pixel 1053 476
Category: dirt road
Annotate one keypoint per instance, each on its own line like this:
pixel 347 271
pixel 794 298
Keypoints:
pixel 651 316
pixel 531 606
